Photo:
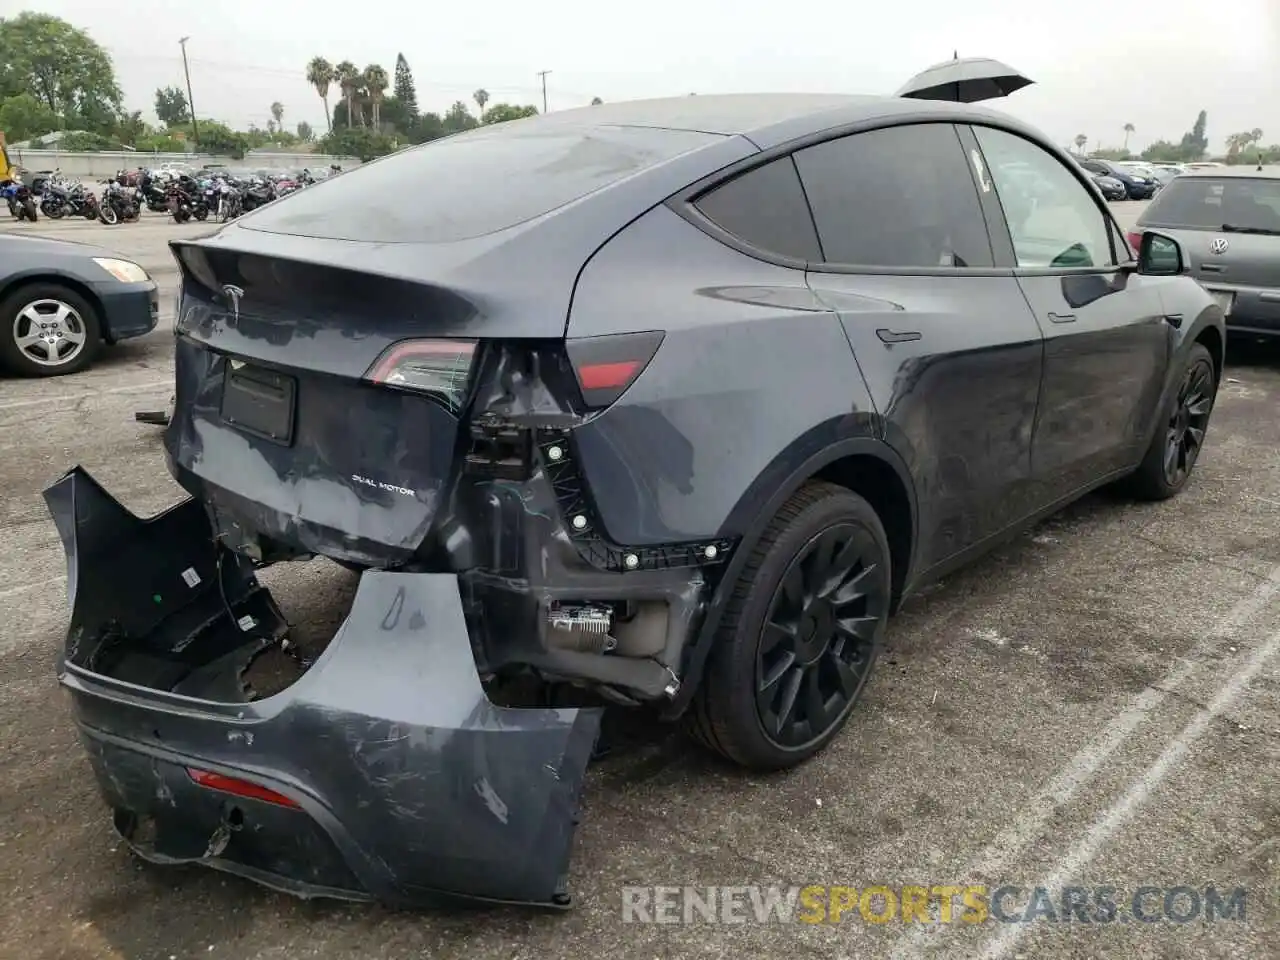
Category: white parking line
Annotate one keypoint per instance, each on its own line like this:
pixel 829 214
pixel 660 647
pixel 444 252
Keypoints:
pixel 1042 808
pixel 1082 854
pixel 72 397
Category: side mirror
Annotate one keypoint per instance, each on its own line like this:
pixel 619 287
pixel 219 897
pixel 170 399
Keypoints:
pixel 1160 256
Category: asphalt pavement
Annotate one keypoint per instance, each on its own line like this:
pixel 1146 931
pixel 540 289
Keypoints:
pixel 1095 705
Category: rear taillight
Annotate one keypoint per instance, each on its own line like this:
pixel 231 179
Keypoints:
pixel 440 369
pixel 1135 239
pixel 240 788
pixel 606 366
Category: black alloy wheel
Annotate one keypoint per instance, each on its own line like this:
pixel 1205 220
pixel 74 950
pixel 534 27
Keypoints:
pixel 1189 422
pixel 816 645
pixel 1179 438
pixel 800 632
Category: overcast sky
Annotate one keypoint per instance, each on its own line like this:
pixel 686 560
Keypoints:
pixel 1096 66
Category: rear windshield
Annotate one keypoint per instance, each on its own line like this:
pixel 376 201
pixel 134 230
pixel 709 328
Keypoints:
pixel 472 184
pixel 1211 203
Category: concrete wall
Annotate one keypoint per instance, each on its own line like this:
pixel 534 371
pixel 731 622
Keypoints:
pixel 88 166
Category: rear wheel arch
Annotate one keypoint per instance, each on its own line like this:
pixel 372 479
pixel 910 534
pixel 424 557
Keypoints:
pixel 865 465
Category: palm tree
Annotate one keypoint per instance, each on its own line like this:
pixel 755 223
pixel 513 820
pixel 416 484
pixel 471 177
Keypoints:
pixel 320 75
pixel 348 78
pixel 481 97
pixel 1128 129
pixel 376 82
pixel 277 114
pixel 1081 140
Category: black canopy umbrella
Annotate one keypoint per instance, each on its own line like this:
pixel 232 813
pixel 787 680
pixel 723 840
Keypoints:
pixel 965 81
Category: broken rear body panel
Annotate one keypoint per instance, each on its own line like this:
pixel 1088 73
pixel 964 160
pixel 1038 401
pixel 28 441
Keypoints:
pixel 387 771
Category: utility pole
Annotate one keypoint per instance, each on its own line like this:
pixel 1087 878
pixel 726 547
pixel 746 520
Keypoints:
pixel 191 102
pixel 543 75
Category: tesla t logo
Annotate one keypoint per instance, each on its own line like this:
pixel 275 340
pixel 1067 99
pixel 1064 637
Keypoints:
pixel 1219 245
pixel 233 297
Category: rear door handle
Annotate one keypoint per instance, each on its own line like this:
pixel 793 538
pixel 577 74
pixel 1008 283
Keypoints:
pixel 895 336
pixel 1062 317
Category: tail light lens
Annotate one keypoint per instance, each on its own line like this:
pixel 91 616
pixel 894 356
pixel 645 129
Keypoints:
pixel 240 788
pixel 440 369
pixel 1135 239
pixel 606 366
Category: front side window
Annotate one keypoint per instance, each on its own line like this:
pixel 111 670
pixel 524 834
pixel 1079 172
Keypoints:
pixel 1053 219
pixel 896 197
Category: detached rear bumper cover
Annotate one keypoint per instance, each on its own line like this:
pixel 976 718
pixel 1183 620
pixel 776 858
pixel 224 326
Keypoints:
pixel 408 782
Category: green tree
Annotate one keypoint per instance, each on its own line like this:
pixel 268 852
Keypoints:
pixel 218 138
pixel 320 75
pixel 348 78
pixel 23 117
pixel 1163 151
pixel 376 82
pixel 405 92
pixel 357 142
pixel 171 106
pixel 459 118
pixel 481 97
pixel 277 114
pixel 1080 141
pixel 501 112
pixel 1195 144
pixel 61 67
pixel 131 128
pixel 305 133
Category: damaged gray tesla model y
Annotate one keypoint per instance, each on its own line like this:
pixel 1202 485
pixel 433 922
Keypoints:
pixel 663 403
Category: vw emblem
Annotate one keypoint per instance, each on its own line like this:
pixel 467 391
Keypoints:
pixel 233 297
pixel 1219 245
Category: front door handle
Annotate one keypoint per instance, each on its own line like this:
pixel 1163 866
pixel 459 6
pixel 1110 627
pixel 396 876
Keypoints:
pixel 1062 317
pixel 895 336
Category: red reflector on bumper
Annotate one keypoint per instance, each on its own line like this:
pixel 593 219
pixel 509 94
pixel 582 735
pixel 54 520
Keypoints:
pixel 238 787
pixel 602 376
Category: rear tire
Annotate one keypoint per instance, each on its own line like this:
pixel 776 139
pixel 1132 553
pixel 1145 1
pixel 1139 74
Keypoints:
pixel 800 634
pixel 1174 450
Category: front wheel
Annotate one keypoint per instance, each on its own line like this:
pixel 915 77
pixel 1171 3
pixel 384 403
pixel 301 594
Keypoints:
pixel 108 214
pixel 54 211
pixel 800 634
pixel 202 213
pixel 47 329
pixel 1179 438
pixel 29 211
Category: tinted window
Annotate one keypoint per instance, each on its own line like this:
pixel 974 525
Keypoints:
pixel 472 184
pixel 1094 167
pixel 1053 218
pixel 1210 203
pixel 765 208
pixel 898 197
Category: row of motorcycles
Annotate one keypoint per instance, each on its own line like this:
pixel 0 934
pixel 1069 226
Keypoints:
pixel 184 196
pixel 57 197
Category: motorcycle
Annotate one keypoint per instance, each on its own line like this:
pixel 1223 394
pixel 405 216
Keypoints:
pixel 230 202
pixel 61 199
pixel 153 195
pixel 186 199
pixel 22 204
pixel 118 204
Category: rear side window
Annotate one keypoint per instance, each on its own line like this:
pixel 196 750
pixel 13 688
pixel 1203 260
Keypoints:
pixel 472 184
pixel 765 208
pixel 1213 203
pixel 896 197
